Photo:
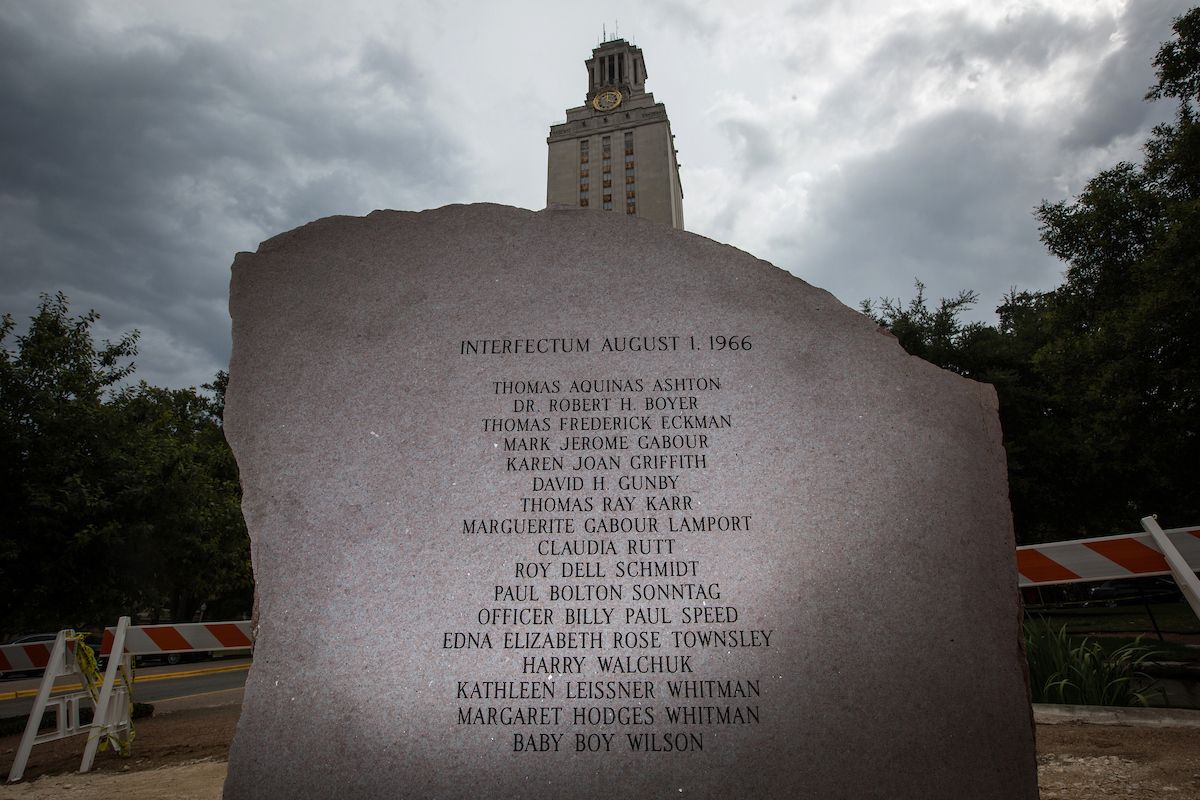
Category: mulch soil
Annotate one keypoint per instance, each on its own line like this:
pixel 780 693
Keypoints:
pixel 160 740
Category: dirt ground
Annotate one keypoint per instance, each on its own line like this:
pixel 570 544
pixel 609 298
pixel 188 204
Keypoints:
pixel 1086 761
pixel 181 755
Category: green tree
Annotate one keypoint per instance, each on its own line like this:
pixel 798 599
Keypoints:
pixel 116 499
pixel 1099 379
pixel 60 442
pixel 1036 442
pixel 1124 333
pixel 936 335
pixel 186 540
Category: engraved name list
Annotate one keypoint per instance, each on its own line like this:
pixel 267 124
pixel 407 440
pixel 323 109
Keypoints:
pixel 612 599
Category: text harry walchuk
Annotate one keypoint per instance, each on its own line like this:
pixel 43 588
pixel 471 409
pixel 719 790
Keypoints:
pixel 610 601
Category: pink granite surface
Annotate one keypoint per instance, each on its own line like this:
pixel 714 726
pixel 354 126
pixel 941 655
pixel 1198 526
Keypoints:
pixel 836 551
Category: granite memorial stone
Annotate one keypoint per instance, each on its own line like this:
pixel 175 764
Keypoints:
pixel 574 505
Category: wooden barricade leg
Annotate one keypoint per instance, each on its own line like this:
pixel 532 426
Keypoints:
pixel 101 722
pixel 1180 569
pixel 53 670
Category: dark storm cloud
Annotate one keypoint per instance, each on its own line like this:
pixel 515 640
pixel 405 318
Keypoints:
pixel 952 54
pixel 952 42
pixel 950 199
pixel 134 164
pixel 754 144
pixel 949 205
pixel 1112 105
pixel 683 18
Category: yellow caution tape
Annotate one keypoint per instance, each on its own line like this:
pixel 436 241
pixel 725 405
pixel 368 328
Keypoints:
pixel 85 659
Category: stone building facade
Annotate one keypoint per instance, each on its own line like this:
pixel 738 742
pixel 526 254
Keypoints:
pixel 616 152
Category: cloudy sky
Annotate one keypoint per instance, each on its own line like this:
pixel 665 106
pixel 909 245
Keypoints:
pixel 860 144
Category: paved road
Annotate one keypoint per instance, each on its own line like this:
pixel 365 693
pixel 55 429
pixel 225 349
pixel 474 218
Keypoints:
pixel 206 683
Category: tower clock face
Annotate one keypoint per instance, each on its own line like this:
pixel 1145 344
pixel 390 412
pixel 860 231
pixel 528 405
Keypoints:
pixel 606 100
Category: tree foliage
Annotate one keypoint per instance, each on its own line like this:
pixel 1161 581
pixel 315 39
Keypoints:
pixel 117 499
pixel 1099 379
pixel 1001 355
pixel 1123 356
pixel 936 335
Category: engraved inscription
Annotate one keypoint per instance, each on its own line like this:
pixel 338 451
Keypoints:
pixel 612 588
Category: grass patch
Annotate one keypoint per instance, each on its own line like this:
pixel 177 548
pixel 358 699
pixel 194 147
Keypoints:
pixel 1171 618
pixel 1072 671
pixel 14 726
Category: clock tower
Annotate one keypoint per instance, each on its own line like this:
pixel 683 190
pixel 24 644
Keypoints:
pixel 616 152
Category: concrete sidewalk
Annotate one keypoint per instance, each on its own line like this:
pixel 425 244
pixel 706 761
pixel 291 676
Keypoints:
pixel 1047 714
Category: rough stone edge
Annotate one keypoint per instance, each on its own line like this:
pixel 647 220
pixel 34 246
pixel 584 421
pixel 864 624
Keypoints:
pixel 987 397
pixel 1054 714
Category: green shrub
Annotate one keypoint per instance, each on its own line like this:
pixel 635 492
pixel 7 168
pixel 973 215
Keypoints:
pixel 1079 673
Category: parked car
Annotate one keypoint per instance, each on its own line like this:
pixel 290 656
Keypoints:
pixel 1124 591
pixel 174 658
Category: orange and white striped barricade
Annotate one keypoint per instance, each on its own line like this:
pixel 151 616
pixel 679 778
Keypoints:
pixel 25 657
pixel 188 637
pixel 125 642
pixel 111 708
pixel 1175 552
pixel 111 720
